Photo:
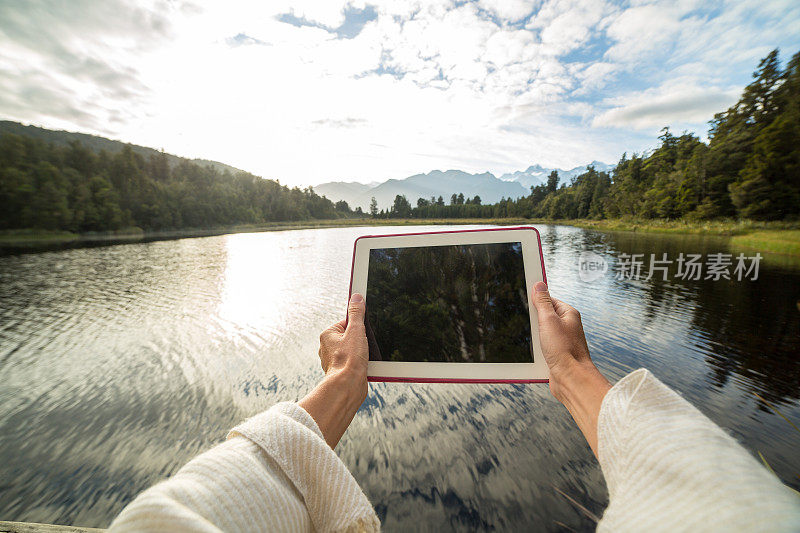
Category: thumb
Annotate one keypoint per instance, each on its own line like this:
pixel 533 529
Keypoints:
pixel 542 301
pixel 355 312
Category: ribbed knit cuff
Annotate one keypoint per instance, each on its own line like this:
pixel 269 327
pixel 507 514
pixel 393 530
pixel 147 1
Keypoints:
pixel 288 409
pixel 290 437
pixel 298 414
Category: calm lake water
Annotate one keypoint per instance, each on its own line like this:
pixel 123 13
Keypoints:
pixel 118 364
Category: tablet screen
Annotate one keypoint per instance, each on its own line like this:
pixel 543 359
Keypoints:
pixel 458 303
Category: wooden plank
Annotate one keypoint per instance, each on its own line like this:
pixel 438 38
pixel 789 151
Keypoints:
pixel 30 527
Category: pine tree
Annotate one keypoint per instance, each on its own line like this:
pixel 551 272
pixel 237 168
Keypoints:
pixel 552 181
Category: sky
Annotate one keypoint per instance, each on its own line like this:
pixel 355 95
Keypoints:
pixel 313 91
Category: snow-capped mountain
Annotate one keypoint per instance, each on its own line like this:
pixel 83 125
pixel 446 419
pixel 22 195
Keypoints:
pixel 537 174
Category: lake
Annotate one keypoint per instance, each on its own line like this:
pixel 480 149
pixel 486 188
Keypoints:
pixel 120 363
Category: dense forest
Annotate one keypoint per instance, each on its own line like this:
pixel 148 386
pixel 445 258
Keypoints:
pixel 70 187
pixel 750 168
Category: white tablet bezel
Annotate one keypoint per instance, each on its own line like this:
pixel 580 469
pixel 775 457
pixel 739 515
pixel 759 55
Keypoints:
pixel 534 372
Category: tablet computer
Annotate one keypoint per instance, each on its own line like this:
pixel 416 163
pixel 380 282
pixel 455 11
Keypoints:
pixel 451 306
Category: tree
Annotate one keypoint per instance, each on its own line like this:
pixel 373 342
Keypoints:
pixel 107 213
pixel 401 208
pixel 440 201
pixel 454 199
pixel 768 182
pixel 476 200
pixel 758 99
pixel 769 188
pixel 422 202
pixel 552 181
pixel 373 207
pixel 460 198
pixel 51 207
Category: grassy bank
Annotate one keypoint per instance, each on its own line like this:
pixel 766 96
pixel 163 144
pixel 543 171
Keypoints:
pixel 726 228
pixel 784 242
pixel 770 237
pixel 35 237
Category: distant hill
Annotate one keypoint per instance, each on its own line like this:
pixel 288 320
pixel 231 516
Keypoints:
pixel 96 143
pixel 436 183
pixel 537 174
pixel 342 190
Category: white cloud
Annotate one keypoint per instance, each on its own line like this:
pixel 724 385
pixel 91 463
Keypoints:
pixel 597 75
pixel 509 10
pixel 666 106
pixel 326 12
pixel 641 30
pixel 65 65
pixel 433 84
pixel 571 27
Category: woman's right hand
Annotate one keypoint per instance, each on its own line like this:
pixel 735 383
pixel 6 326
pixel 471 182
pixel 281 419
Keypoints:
pixel 562 338
pixel 574 380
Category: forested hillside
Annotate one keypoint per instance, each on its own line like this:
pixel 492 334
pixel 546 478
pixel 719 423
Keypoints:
pixel 70 187
pixel 96 144
pixel 750 168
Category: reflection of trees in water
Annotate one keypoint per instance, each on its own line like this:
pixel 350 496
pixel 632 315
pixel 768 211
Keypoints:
pixel 748 328
pixel 755 328
pixel 449 303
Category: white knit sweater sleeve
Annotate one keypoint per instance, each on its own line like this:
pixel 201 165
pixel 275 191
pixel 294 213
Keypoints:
pixel 274 473
pixel 669 468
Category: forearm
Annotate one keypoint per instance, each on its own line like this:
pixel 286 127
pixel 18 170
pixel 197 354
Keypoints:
pixel 333 403
pixel 581 389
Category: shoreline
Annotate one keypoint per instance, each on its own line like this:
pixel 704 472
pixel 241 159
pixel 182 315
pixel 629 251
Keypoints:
pixel 781 238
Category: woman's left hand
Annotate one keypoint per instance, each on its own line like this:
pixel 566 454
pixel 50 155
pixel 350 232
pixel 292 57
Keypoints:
pixel 343 354
pixel 343 346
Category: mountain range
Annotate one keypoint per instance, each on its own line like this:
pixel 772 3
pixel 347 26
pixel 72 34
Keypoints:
pixel 437 183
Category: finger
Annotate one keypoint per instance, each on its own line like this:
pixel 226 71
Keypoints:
pixel 328 333
pixel 339 326
pixel 561 308
pixel 355 313
pixel 542 301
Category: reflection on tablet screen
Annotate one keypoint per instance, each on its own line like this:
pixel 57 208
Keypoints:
pixel 458 304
